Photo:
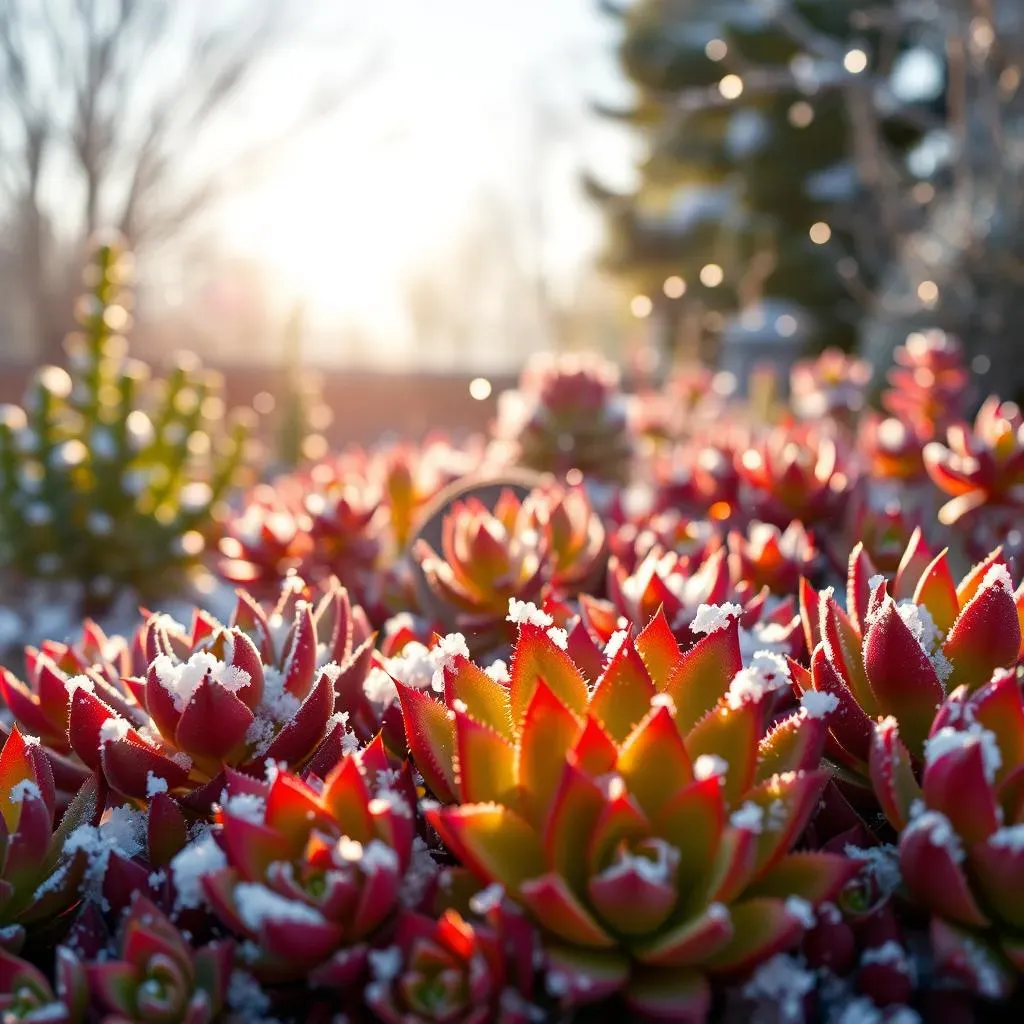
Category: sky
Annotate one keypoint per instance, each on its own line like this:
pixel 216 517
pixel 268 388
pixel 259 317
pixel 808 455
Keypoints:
pixel 445 118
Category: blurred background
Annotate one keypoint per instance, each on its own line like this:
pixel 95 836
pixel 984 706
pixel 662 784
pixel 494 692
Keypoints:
pixel 411 197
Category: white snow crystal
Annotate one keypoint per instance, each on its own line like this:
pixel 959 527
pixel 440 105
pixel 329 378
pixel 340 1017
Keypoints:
pixel 939 829
pixel 750 817
pixel 498 671
pixel 783 982
pixel 998 576
pixel 881 862
pixel 154 785
pixel 890 953
pixel 559 637
pixel 25 788
pixel 709 764
pixel 712 617
pixel 114 729
pixel 78 683
pixel 948 739
pixel 258 904
pixel 121 831
pixel 379 687
pixel 247 806
pixel 766 673
pixel 182 679
pixel 801 910
pixel 929 637
pixel 385 964
pixel 522 613
pixel 818 704
pixel 201 857
pixel 1009 837
pixel 487 899
pixel 615 642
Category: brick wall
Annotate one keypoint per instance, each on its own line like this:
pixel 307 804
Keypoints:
pixel 365 405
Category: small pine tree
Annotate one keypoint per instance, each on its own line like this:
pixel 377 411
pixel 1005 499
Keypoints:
pixel 109 479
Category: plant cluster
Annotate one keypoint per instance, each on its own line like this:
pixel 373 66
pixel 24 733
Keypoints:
pixel 740 738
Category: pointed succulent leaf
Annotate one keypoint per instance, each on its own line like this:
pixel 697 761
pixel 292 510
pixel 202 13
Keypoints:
pixel 622 695
pixel 493 841
pixel 936 590
pixel 431 736
pixel 486 764
pixel 902 676
pixel 537 657
pixel 703 675
pixel 762 927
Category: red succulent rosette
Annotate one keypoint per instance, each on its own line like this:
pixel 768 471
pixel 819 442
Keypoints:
pixel 155 976
pixel 455 969
pixel 40 704
pixel 890 449
pixel 39 880
pixel 794 472
pixel 765 556
pixel 928 384
pixel 980 467
pixel 830 385
pixel 315 870
pixel 216 696
pixel 552 540
pixel 961 829
pixel 26 993
pixel 320 523
pixel 898 654
pixel 568 413
pixel 643 821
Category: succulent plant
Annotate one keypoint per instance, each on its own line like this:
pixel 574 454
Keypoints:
pixel 794 473
pixel 40 879
pixel 981 468
pixel 215 696
pixel 928 384
pixel 155 975
pixel 40 705
pixel 313 873
pixel 765 556
pixel 833 384
pixel 961 828
pixel 644 821
pixel 106 480
pixel 552 540
pixel 27 995
pixel 456 970
pixel 568 413
pixel 317 524
pixel 898 654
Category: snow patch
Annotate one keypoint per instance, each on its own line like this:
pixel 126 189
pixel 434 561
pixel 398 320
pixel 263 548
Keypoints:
pixel 257 904
pixel 818 704
pixel 523 613
pixel 188 868
pixel 182 679
pixel 949 739
pixel 712 617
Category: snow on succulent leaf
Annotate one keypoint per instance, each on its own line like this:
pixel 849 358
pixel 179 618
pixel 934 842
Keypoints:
pixel 322 870
pixel 217 696
pixel 961 850
pixel 517 765
pixel 881 657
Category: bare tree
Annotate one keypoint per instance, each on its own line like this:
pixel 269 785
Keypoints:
pixel 119 113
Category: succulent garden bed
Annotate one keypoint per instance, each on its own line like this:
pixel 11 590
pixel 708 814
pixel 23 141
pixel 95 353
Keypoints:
pixel 654 707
